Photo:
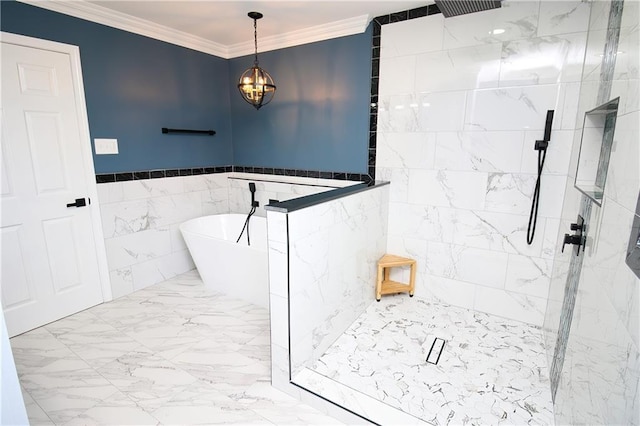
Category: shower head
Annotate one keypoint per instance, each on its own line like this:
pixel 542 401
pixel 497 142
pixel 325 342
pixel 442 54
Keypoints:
pixel 451 8
pixel 252 187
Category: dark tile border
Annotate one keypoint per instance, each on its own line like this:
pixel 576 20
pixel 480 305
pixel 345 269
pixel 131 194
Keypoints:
pixel 373 125
pixel 377 23
pixel 162 173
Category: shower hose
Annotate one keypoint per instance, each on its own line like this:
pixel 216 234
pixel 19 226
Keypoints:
pixel 533 216
pixel 246 226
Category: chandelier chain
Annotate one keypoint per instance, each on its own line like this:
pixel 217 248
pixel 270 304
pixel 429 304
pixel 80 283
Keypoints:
pixel 255 41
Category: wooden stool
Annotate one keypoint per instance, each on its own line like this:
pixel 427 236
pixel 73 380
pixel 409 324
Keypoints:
pixel 384 285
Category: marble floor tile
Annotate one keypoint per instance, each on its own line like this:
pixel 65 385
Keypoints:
pixel 172 353
pixel 491 371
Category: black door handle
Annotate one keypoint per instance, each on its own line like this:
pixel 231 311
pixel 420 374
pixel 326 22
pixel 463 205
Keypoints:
pixel 80 202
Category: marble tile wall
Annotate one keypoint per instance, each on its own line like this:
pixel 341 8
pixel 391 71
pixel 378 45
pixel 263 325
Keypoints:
pixel 462 102
pixel 141 218
pixel 600 379
pixel 322 268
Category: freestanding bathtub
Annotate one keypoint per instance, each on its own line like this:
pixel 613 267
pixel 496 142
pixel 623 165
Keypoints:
pixel 235 269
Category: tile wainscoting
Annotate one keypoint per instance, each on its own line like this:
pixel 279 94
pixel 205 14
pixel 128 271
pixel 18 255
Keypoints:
pixel 141 218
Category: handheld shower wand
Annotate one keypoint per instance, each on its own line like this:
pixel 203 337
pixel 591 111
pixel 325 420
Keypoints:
pixel 540 146
pixel 254 205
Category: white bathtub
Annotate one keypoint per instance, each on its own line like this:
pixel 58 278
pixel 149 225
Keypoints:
pixel 237 270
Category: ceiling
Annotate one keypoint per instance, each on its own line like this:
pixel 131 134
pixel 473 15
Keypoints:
pixel 223 28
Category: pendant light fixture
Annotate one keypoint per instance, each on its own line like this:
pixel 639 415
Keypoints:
pixel 256 85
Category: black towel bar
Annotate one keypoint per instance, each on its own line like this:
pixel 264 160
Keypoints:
pixel 197 132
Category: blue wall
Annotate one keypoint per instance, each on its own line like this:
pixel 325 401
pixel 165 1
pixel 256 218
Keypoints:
pixel 134 86
pixel 319 116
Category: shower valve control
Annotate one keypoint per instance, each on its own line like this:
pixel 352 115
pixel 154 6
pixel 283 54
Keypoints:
pixel 577 239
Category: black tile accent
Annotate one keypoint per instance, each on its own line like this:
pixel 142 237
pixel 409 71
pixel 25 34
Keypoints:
pixel 313 174
pixel 156 174
pixel 172 173
pixel 326 175
pixel 377 29
pixel 375 67
pixel 399 16
pixel 141 175
pixel 418 12
pixel 372 157
pixel 373 122
pixel 278 172
pixel 239 169
pixel 197 171
pixel 433 9
pixel 121 177
pixel 382 20
pixel 376 41
pixel 340 176
pixel 105 178
pixel 302 173
pixel 210 170
pixel 373 140
pixel 185 172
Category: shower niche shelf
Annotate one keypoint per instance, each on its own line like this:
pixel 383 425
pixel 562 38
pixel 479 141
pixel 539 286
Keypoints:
pixel 595 150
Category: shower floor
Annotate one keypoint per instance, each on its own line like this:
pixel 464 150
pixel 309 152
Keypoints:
pixel 491 371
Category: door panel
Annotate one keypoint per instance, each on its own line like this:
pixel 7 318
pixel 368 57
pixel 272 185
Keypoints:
pixel 49 260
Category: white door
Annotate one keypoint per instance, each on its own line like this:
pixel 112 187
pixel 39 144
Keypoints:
pixel 50 267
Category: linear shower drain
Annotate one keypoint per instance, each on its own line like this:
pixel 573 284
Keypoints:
pixel 436 350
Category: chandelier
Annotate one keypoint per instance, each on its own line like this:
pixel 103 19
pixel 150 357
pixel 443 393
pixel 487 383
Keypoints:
pixel 256 85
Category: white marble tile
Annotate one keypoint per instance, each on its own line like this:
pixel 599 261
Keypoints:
pixel 563 17
pixel 151 188
pixel 516 306
pixel 447 291
pixel 201 403
pixel 518 19
pixel 66 388
pixel 346 396
pixel 594 52
pixel 629 93
pixel 121 282
pixel 424 222
pixel 516 108
pixel 151 381
pixel 448 188
pixel 558 156
pixel 479 151
pixel 413 36
pixel 484 267
pixel 161 268
pixel 502 232
pixel 510 193
pixel 112 192
pixel 35 414
pixel 383 353
pixel 127 217
pixel 406 150
pixel 116 409
pixel 627 58
pixel 397 74
pixel 399 182
pixel 440 111
pixel 528 275
pixel 475 67
pixel 138 247
pixel 177 208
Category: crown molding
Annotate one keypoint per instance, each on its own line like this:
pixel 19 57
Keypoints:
pixel 102 15
pixel 105 16
pixel 334 29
